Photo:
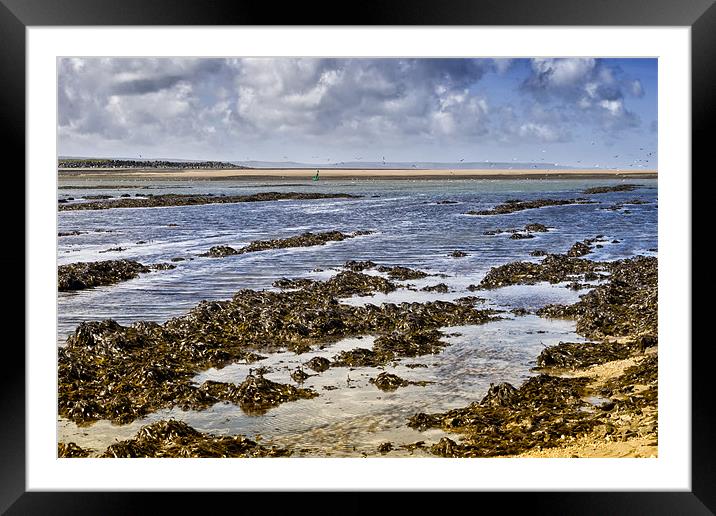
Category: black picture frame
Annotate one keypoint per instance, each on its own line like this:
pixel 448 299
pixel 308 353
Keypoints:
pixel 17 15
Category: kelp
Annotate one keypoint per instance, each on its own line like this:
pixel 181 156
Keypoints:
pixel 543 412
pixel 304 240
pixel 176 439
pixel 121 373
pixel 513 205
pixel 153 201
pixel 83 275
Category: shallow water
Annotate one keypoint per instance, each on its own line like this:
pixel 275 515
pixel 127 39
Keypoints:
pixel 411 230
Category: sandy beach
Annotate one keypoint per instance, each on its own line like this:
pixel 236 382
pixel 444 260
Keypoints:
pixel 98 173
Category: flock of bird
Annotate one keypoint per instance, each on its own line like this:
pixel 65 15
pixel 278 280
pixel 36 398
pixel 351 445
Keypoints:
pixel 636 162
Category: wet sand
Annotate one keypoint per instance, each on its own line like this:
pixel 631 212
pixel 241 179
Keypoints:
pixel 224 174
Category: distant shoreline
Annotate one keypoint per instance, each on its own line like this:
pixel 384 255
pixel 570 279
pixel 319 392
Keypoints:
pixel 307 173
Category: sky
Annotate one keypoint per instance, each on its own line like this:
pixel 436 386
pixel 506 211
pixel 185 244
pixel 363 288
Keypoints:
pixel 583 112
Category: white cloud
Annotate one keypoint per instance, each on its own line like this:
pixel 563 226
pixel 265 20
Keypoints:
pixel 503 65
pixel 563 72
pixel 539 132
pixel 589 88
pixel 614 107
pixel 225 104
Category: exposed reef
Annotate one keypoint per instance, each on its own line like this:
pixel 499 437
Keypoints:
pixel 554 268
pixel 548 411
pixel 82 275
pixel 626 305
pixel 521 233
pixel 121 373
pixel 171 438
pixel 153 201
pixel 512 206
pixel 388 382
pixel 71 450
pixel 508 420
pixel 607 189
pixel 305 240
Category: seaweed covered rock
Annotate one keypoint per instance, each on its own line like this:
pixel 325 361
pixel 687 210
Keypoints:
pixel 644 373
pixel 360 357
pixel 440 287
pixel 388 382
pixel 318 364
pixel 385 447
pixel 536 228
pixel 508 421
pixel 402 273
pixel 151 201
pixel 523 233
pixel 500 395
pixel 513 205
pixel 299 375
pixel 555 268
pixel 305 240
pixel 617 206
pixel 257 394
pixel 162 266
pixel 121 373
pixel 82 275
pixel 220 251
pixel 118 373
pixel 458 254
pixel 469 300
pixel 409 344
pixel 171 438
pixel 349 283
pixel 579 249
pixel 71 450
pixel 608 189
pixel 359 266
pixel 392 346
pixel 286 283
pixel 571 355
pixel 626 305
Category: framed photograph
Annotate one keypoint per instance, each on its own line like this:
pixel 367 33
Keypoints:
pixel 432 250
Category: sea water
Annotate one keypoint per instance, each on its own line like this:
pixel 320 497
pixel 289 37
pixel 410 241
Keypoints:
pixel 411 228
